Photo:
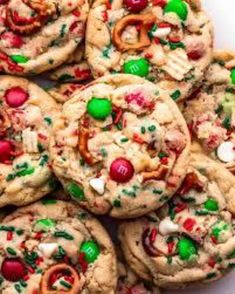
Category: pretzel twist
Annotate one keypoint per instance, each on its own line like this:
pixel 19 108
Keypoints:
pixel 45 283
pixel 144 20
pixel 43 10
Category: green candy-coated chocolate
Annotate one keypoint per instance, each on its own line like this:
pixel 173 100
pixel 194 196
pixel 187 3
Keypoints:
pixel 91 250
pixel 138 67
pixel 186 248
pixel 76 191
pixel 178 7
pixel 211 205
pixel 232 75
pixel 45 224
pixel 19 58
pixel 99 108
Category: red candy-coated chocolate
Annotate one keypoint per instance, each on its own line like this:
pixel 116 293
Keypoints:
pixel 6 149
pixel 16 96
pixel 121 170
pixel 14 41
pixel 135 5
pixel 13 269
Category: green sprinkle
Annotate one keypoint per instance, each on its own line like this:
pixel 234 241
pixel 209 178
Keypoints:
pixel 65 78
pixel 187 248
pixel 211 205
pixel 20 232
pixel 175 95
pixel 63 234
pixel 211 276
pixel 123 140
pixel 103 152
pixel 162 154
pixel 174 46
pixel 44 160
pixel 1 280
pixel 17 287
pixel 63 30
pixel 219 109
pixel 143 130
pixel 201 212
pixel 227 122
pixel 45 224
pixel 23 283
pixel 117 203
pixel 76 191
pixel 169 259
pixel 11 251
pixel 157 191
pixel 151 128
pixel 7 228
pixel 232 255
pixel 10 177
pixel 65 284
pixel 48 201
pixel 19 58
pixel 25 172
pixel 48 120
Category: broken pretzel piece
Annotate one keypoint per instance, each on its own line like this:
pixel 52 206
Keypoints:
pixel 191 181
pixel 57 270
pixel 158 174
pixel 24 25
pixel 144 20
pixel 83 145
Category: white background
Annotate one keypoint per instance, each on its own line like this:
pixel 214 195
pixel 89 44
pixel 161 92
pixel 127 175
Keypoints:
pixel 223 14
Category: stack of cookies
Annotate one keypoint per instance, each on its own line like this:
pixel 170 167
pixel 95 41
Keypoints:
pixel 123 168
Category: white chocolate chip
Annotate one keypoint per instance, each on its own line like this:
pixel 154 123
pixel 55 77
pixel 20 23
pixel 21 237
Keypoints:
pixel 30 141
pixel 47 249
pixel 161 32
pixel 98 185
pixel 167 227
pixel 226 152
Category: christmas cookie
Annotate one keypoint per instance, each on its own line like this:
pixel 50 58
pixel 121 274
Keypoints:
pixel 210 112
pixel 167 41
pixel 130 283
pixel 39 35
pixel 122 148
pixel 55 247
pixel 76 69
pixel 27 117
pixel 192 238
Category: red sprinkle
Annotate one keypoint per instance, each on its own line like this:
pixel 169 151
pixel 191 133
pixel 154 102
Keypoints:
pixel 9 236
pixel 164 160
pixel 212 262
pixel 161 3
pixel 137 139
pixel 153 235
pixel 180 207
pixel 170 247
pixel 188 224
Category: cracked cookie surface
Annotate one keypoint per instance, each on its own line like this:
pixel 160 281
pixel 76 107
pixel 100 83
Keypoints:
pixel 210 113
pixel 190 240
pixel 166 41
pixel 122 148
pixel 54 246
pixel 36 36
pixel 27 117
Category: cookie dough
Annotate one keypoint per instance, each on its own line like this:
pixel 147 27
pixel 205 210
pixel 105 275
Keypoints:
pixel 39 35
pixel 54 247
pixel 76 69
pixel 166 41
pixel 123 146
pixel 210 112
pixel 63 92
pixel 191 240
pixel 27 118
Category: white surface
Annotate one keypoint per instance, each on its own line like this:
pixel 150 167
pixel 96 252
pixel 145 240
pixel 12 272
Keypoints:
pixel 223 14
